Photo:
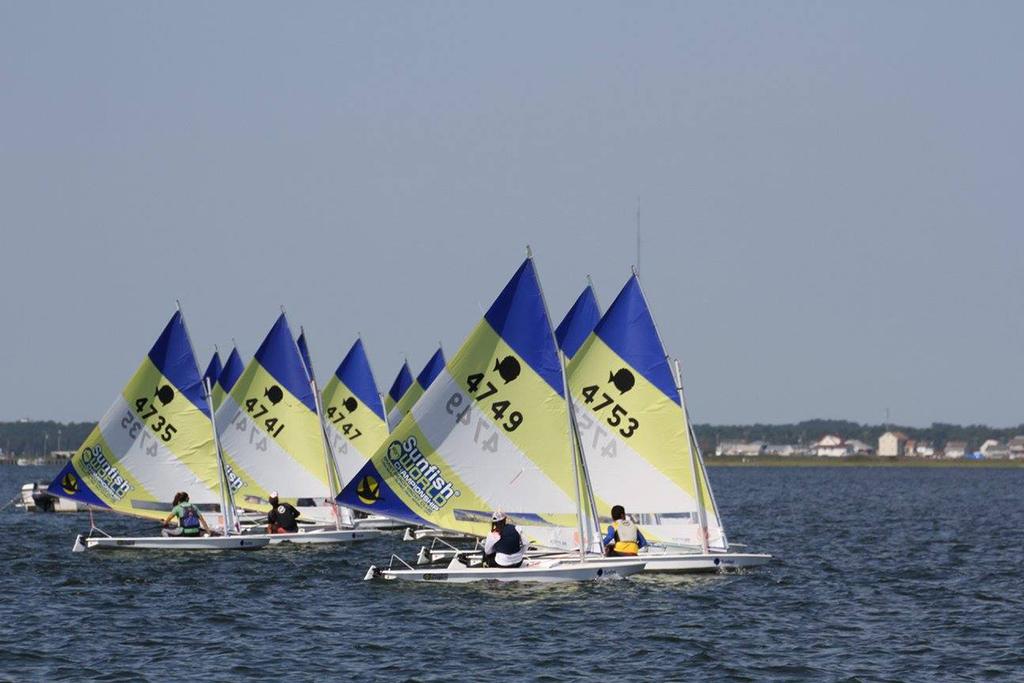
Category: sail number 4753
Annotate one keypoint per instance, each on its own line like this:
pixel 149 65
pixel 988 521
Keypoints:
pixel 617 411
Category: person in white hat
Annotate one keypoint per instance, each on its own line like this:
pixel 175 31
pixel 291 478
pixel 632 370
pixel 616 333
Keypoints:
pixel 282 518
pixel 504 547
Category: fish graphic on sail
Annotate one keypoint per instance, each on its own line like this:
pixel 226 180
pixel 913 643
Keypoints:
pixel 269 432
pixel 634 429
pixel 398 388
pixel 353 412
pixel 423 380
pixel 227 377
pixel 491 432
pixel 154 441
pixel 578 323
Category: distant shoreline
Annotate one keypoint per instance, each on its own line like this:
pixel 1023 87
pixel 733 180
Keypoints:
pixel 852 461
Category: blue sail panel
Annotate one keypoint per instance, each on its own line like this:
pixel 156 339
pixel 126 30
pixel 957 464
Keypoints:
pixel 401 384
pixel 628 329
pixel 355 373
pixel 279 356
pixel 233 369
pixel 520 318
pixel 213 370
pixel 172 355
pixel 304 353
pixel 578 323
pixel 431 370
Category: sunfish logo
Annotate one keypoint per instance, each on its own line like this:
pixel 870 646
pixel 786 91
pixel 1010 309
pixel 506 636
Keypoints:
pixel 368 490
pixel 105 473
pixel 424 480
pixel 69 483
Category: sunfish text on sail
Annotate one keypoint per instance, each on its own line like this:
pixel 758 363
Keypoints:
pixel 107 475
pixel 406 460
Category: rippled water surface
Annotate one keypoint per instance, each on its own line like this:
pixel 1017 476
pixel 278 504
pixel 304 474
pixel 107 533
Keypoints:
pixel 881 575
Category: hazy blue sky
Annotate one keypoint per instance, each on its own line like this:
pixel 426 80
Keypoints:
pixel 831 192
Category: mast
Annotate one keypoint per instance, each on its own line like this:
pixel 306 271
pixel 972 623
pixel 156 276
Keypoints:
pixel 579 483
pixel 226 499
pixel 584 537
pixel 227 502
pixel 702 517
pixel 332 476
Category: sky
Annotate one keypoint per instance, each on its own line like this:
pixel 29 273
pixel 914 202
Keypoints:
pixel 830 193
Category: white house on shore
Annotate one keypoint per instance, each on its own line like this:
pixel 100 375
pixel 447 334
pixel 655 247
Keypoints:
pixel 831 446
pixel 740 448
pixel 892 444
pixel 956 449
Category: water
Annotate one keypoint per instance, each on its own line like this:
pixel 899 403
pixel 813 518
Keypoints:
pixel 882 575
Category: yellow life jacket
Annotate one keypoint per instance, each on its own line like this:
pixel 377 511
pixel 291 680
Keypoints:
pixel 625 537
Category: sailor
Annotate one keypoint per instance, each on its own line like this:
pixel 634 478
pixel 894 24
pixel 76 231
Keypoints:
pixel 190 521
pixel 282 518
pixel 504 546
pixel 623 537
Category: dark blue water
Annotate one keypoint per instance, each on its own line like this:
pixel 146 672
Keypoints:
pixel 882 575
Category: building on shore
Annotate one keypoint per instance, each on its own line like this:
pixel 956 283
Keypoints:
pixel 923 449
pixel 995 449
pixel 830 446
pixel 855 447
pixel 1016 447
pixel 892 444
pixel 955 449
pixel 740 448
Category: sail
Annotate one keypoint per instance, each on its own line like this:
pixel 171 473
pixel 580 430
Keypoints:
pixel 634 431
pixel 578 323
pixel 491 432
pixel 427 375
pixel 353 412
pixel 398 388
pixel 155 440
pixel 269 432
pixel 213 370
pixel 304 353
pixel 227 377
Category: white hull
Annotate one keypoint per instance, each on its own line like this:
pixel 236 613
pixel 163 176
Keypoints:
pixel 539 571
pixel 169 543
pixel 319 536
pixel 379 522
pixel 655 562
pixel 696 562
pixel 412 534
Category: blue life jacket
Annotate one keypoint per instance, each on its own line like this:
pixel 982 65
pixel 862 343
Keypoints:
pixel 510 542
pixel 189 517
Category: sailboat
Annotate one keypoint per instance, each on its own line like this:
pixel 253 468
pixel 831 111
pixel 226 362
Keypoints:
pixel 638 440
pixel 493 431
pixel 355 423
pixel 412 394
pixel 155 440
pixel 227 377
pixel 271 432
pixel 403 380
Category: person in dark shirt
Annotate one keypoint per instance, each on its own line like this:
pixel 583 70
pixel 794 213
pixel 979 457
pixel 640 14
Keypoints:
pixel 282 518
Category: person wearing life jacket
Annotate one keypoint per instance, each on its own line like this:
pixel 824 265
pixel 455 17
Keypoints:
pixel 190 521
pixel 282 518
pixel 623 537
pixel 504 547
